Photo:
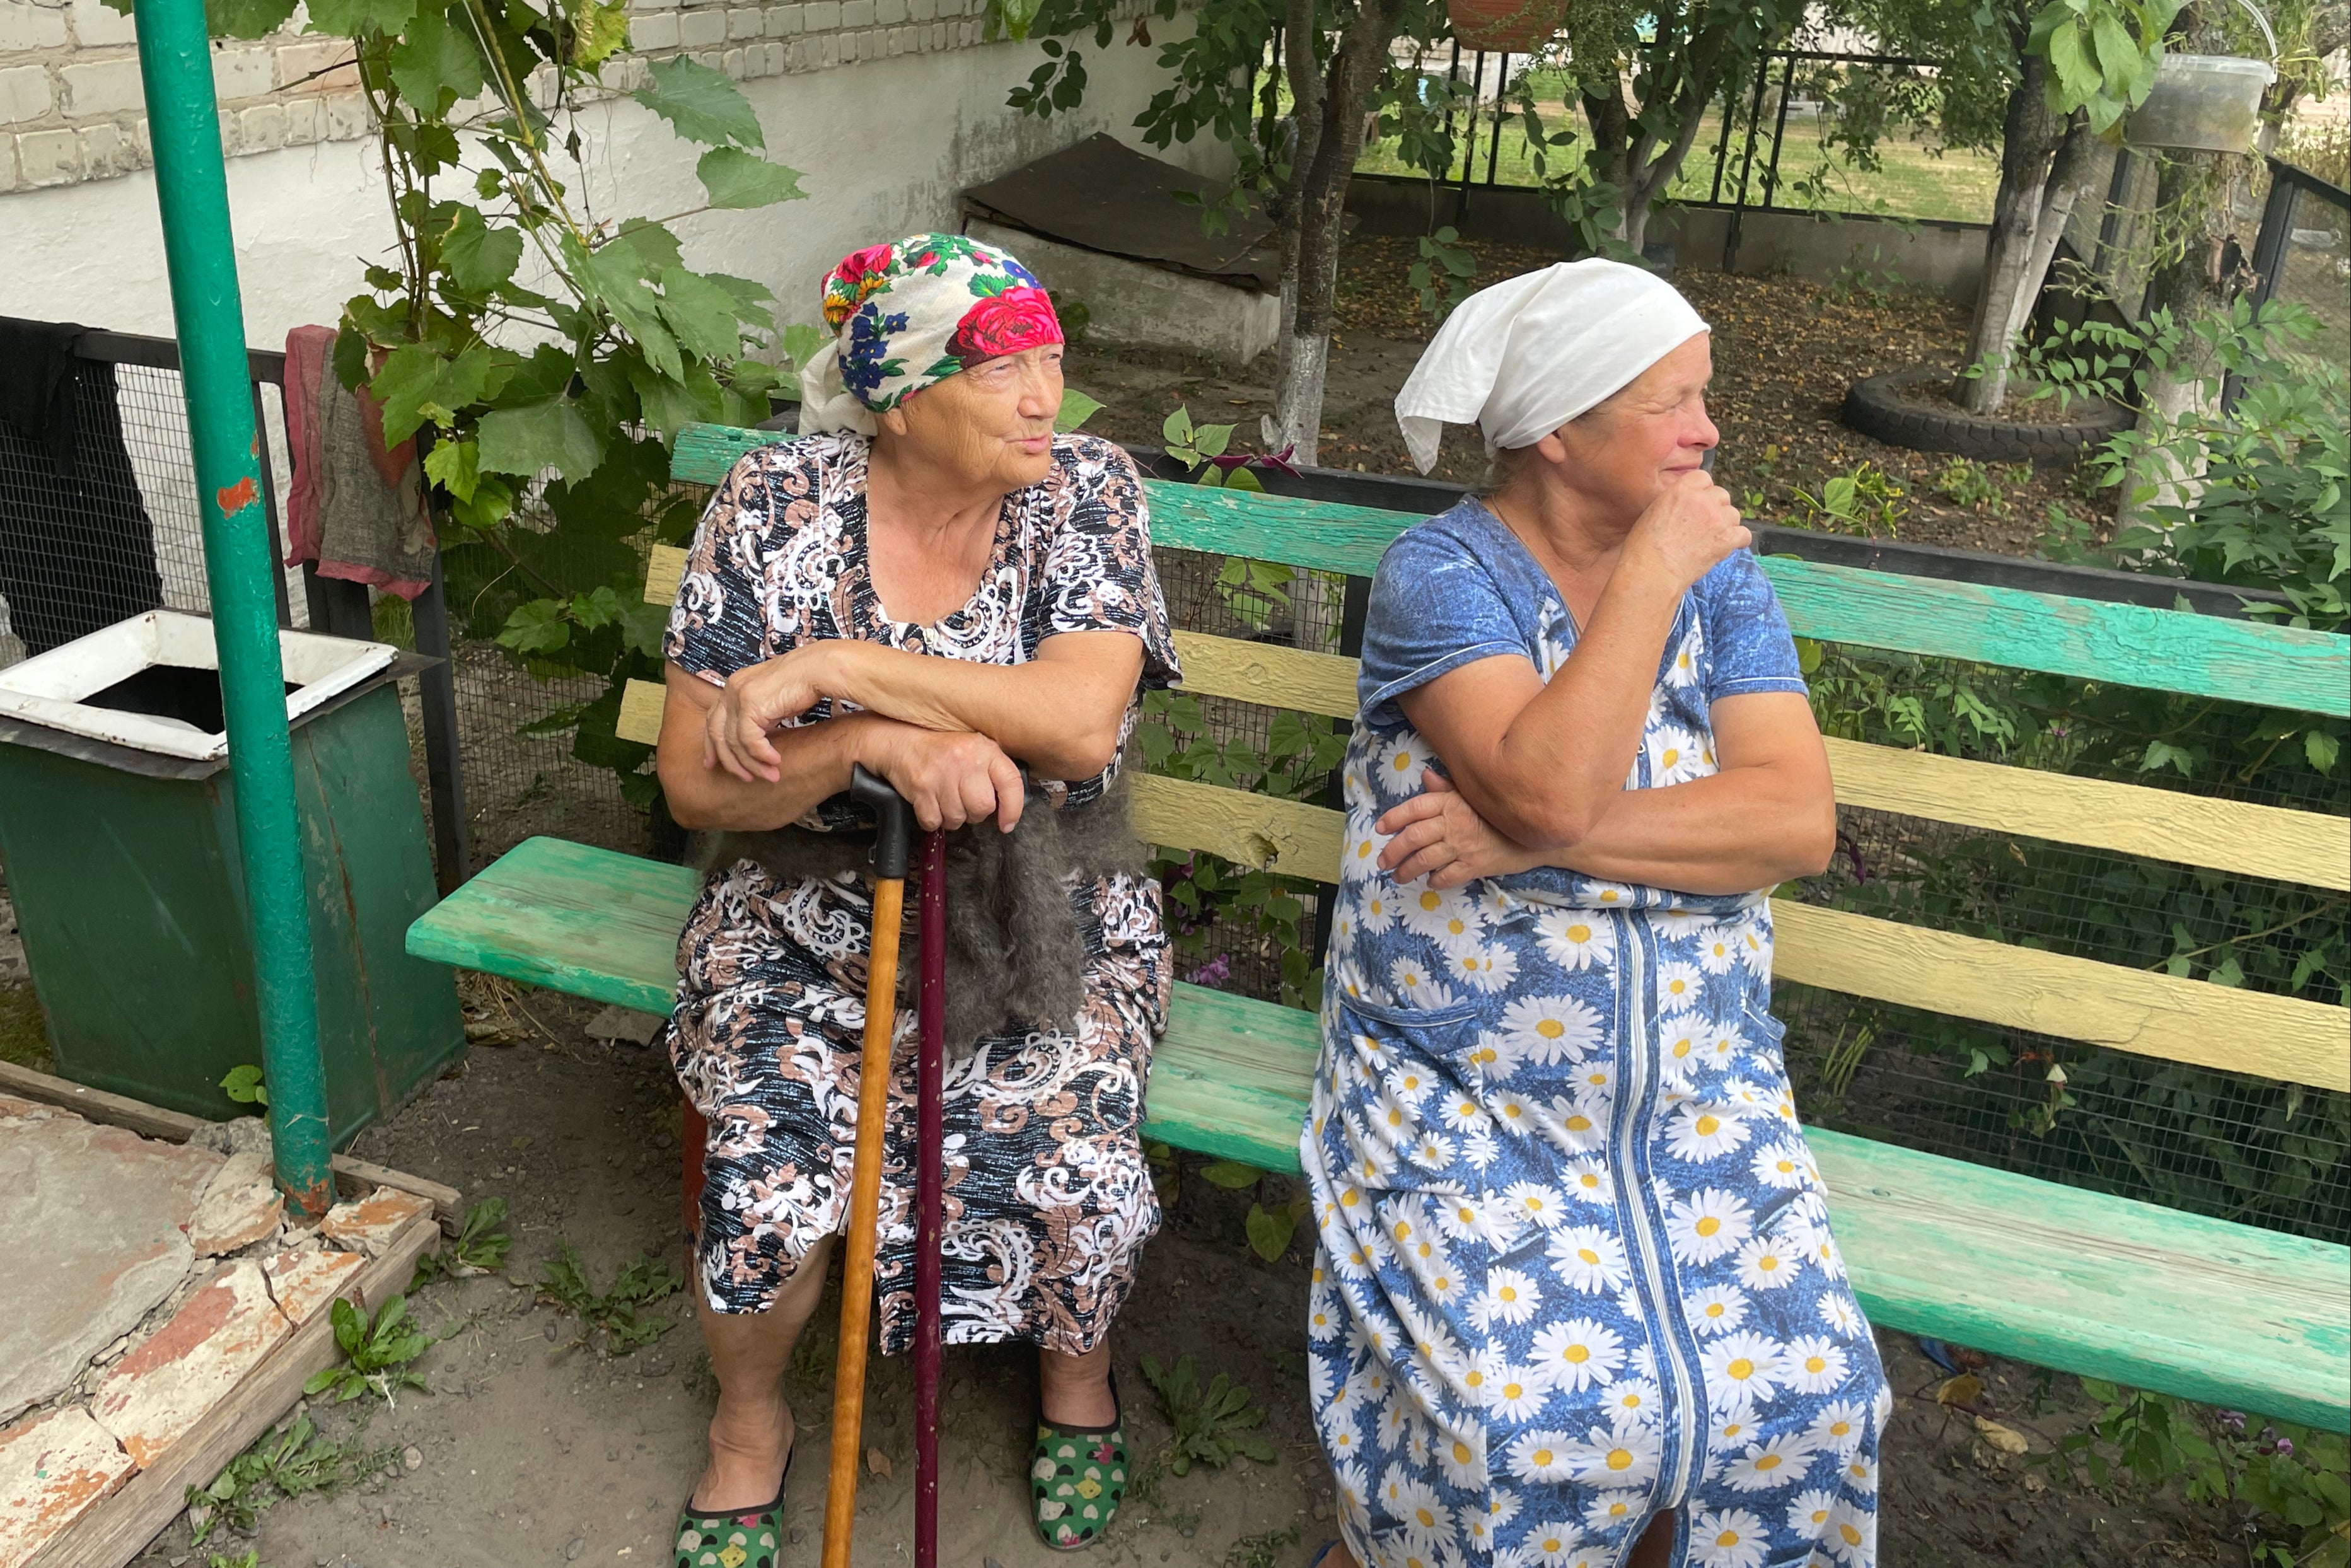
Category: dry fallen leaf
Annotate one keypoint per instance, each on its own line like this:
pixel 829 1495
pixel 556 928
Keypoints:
pixel 878 1463
pixel 2007 1439
pixel 1964 1389
pixel 2033 1482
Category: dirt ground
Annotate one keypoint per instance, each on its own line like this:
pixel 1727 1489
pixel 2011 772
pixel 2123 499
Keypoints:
pixel 1785 352
pixel 532 1449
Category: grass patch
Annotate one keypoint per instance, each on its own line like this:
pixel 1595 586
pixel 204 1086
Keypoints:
pixel 284 1463
pixel 619 1311
pixel 24 1031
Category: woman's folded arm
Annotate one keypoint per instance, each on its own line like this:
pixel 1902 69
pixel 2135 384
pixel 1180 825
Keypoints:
pixel 1060 713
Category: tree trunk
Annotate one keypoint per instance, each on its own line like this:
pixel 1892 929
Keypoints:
pixel 1304 72
pixel 1320 223
pixel 2193 285
pixel 1648 176
pixel 2072 176
pixel 2029 138
pixel 2198 193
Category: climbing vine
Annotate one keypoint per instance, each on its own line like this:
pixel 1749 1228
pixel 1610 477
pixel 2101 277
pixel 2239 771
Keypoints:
pixel 543 352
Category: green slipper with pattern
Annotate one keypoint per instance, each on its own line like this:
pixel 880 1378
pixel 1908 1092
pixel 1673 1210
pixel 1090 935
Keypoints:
pixel 738 1538
pixel 1077 1480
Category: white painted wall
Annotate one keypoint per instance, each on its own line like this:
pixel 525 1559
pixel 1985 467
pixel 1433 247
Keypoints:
pixel 883 147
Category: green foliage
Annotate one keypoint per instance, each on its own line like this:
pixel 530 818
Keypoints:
pixel 288 1461
pixel 1075 410
pixel 245 1085
pixel 2270 506
pixel 1260 1550
pixel 1212 1424
pixel 1977 486
pixel 480 1248
pixel 251 1559
pixel 620 1312
pixel 378 1354
pixel 2101 54
pixel 2290 1485
pixel 1866 501
pixel 541 394
pixel 1441 276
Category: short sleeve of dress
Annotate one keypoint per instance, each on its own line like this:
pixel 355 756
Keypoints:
pixel 1748 647
pixel 719 622
pixel 1434 607
pixel 1098 574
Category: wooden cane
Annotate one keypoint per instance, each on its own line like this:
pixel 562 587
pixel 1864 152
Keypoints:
pixel 894 827
pixel 930 1195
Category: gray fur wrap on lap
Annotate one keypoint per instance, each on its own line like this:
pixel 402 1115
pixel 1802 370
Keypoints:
pixel 1018 905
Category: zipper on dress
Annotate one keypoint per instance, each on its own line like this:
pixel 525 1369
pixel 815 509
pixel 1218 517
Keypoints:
pixel 1632 1110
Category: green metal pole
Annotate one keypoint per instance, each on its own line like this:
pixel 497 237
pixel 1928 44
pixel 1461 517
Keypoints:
pixel 191 187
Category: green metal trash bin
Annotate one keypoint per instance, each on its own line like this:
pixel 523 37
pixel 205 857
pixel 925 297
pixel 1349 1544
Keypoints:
pixel 118 836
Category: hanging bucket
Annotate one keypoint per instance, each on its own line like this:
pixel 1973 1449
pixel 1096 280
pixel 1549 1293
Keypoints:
pixel 1504 26
pixel 2202 103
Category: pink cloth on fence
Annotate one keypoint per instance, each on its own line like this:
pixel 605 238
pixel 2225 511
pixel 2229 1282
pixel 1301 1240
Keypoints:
pixel 355 507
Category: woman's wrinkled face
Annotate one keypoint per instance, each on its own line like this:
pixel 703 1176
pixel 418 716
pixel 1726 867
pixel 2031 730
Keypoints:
pixel 991 424
pixel 1621 455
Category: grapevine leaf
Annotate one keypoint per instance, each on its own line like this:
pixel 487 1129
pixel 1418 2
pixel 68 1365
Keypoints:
pixel 701 104
pixel 356 19
pixel 403 387
pixel 537 627
pixel 751 299
pixel 701 315
pixel 478 256
pixel 738 179
pixel 243 18
pixel 454 465
pixel 538 436
pixel 434 58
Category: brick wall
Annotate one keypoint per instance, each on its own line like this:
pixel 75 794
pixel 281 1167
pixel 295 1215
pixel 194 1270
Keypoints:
pixel 70 106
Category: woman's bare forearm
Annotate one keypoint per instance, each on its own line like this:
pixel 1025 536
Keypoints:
pixel 816 760
pixel 1061 716
pixel 1542 761
pixel 1730 832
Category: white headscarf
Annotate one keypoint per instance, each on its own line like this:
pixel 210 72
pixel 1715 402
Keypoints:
pixel 1524 357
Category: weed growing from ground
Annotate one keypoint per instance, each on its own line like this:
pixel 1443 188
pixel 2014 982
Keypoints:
pixel 1258 1550
pixel 620 1311
pixel 378 1354
pixel 1211 1423
pixel 284 1464
pixel 480 1248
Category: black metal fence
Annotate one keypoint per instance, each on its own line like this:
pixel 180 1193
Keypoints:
pixel 1742 159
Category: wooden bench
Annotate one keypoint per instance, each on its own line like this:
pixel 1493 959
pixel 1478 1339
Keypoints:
pixel 2102 1286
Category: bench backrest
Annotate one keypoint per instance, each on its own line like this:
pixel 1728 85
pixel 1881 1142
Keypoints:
pixel 2151 1014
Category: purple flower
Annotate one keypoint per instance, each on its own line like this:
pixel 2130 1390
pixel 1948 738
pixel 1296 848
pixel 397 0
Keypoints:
pixel 2285 1447
pixel 2233 1419
pixel 1214 972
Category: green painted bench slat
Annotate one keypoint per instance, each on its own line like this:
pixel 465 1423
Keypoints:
pixel 2129 644
pixel 2102 1286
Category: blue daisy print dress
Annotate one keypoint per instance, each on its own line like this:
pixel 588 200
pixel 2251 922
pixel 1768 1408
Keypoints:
pixel 1574 1266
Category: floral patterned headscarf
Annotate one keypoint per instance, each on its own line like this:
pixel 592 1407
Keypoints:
pixel 908 315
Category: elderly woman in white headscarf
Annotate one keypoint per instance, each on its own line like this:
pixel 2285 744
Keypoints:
pixel 1575 1300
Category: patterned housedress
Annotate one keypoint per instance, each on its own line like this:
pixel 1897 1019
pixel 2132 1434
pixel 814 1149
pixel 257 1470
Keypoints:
pixel 1049 1199
pixel 1574 1264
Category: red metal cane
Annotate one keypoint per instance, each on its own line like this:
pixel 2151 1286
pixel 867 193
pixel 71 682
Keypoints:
pixel 930 1182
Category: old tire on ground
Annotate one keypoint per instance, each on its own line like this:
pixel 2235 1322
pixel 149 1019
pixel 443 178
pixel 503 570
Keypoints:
pixel 1875 407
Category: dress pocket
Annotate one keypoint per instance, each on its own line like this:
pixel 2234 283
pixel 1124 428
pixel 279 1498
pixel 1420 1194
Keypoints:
pixel 1397 1073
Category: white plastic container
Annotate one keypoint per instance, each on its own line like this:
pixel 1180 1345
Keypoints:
pixel 2201 103
pixel 137 682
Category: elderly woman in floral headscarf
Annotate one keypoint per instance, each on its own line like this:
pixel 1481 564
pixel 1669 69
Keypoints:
pixel 932 583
